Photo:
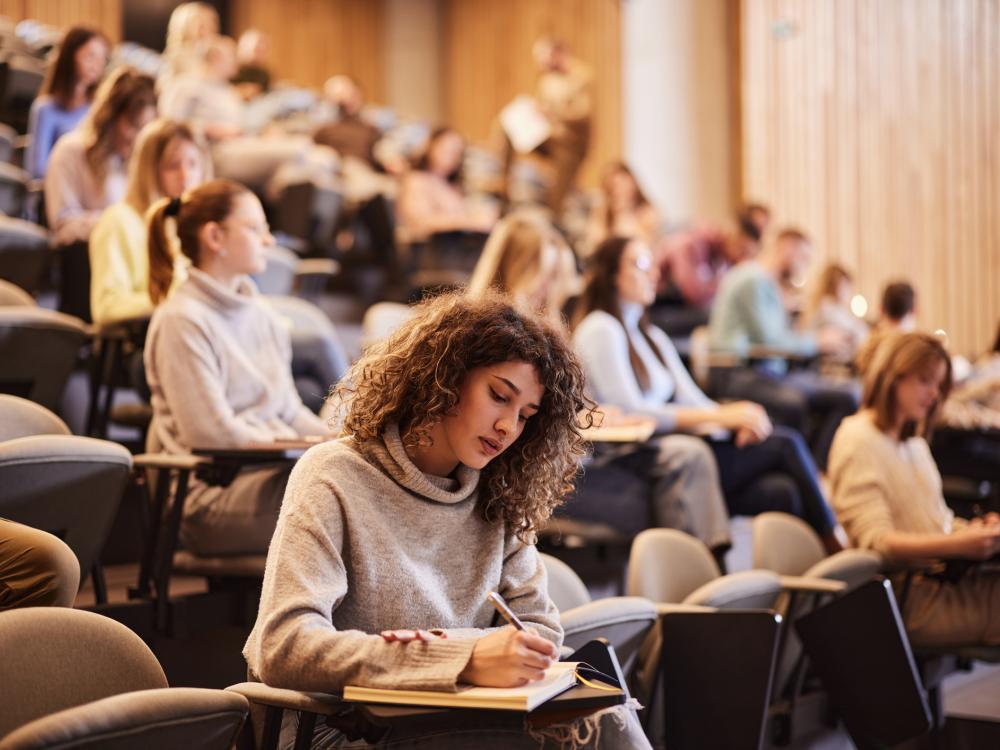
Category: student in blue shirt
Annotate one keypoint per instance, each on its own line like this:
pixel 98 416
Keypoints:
pixel 66 94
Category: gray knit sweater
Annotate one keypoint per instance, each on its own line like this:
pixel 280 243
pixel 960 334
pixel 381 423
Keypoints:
pixel 367 542
pixel 219 368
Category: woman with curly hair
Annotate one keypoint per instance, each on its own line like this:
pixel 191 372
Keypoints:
pixel 460 438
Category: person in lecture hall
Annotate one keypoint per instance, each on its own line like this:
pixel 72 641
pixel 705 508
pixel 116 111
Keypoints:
pixel 66 94
pixel 461 435
pixel 887 494
pixel 431 198
pixel 86 171
pixel 37 569
pixel 669 481
pixel 634 365
pixel 218 362
pixel 167 161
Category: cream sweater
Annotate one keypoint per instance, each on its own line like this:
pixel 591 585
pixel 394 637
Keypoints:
pixel 881 484
pixel 366 542
pixel 218 363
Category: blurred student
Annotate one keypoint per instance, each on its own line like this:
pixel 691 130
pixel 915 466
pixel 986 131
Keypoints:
pixel 66 94
pixel 218 362
pixel 887 494
pixel 37 569
pixel 87 168
pixel 830 308
pixel 622 209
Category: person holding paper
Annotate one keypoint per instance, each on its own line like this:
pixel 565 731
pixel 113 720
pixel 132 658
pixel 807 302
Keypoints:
pixel 632 364
pixel 563 97
pixel 461 435
pixel 887 493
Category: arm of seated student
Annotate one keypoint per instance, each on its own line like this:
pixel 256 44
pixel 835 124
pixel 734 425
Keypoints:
pixel 976 541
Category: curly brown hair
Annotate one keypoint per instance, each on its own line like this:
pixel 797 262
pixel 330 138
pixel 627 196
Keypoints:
pixel 414 379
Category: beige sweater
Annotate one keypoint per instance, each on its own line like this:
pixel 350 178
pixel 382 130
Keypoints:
pixel 881 484
pixel 366 543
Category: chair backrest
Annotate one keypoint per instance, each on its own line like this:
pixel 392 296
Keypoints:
pixel 24 252
pixel 748 589
pixel 785 544
pixel 565 587
pixel 158 719
pixel 20 417
pixel 666 565
pixel 66 485
pixel 381 321
pixel 56 658
pixel 852 566
pixel 13 189
pixel 11 295
pixel 38 350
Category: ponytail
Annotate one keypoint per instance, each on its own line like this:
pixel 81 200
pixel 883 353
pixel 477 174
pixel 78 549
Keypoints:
pixel 212 201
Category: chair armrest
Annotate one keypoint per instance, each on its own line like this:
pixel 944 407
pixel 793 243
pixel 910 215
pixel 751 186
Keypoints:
pixel 324 704
pixel 168 461
pixel 672 609
pixel 317 267
pixel 812 585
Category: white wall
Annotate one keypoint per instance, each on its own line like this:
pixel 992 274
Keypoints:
pixel 414 83
pixel 676 105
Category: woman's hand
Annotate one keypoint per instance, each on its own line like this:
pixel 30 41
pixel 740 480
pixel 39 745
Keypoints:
pixel 746 419
pixel 980 540
pixel 508 658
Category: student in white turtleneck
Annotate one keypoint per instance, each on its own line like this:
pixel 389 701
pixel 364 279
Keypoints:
pixel 218 362
pixel 634 366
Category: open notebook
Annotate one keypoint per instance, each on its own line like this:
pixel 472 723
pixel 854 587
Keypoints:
pixel 560 677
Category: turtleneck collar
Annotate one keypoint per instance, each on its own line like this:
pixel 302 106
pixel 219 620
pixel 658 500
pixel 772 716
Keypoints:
pixel 220 295
pixel 392 458
pixel 632 314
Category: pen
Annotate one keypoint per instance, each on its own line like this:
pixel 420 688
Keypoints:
pixel 501 606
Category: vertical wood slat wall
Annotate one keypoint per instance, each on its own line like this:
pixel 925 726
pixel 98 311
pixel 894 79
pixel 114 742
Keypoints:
pixel 312 40
pixel 875 126
pixel 488 61
pixel 105 15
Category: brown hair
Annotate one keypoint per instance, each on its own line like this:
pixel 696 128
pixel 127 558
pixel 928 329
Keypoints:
pixel 640 197
pixel 600 292
pixel 745 219
pixel 898 300
pixel 896 357
pixel 423 162
pixel 212 201
pixel 830 278
pixel 60 80
pixel 414 378
pixel 124 93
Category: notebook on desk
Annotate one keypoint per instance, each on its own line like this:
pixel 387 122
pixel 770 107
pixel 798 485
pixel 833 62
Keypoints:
pixel 561 677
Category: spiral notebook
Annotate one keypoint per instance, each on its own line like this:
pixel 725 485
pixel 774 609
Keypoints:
pixel 560 677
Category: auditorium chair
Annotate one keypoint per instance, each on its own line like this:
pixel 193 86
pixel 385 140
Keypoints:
pixel 24 253
pixel 12 295
pixel 75 679
pixel 38 350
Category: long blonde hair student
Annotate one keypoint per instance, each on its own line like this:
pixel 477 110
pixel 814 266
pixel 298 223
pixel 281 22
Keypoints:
pixel 212 201
pixel 527 258
pixel 155 140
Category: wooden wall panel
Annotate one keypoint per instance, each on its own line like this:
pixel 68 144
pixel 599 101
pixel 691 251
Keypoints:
pixel 105 15
pixel 488 61
pixel 312 40
pixel 875 126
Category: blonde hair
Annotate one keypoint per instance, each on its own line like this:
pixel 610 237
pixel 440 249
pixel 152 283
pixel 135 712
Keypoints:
pixel 143 170
pixel 512 256
pixel 212 201
pixel 182 28
pixel 414 378
pixel 895 357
